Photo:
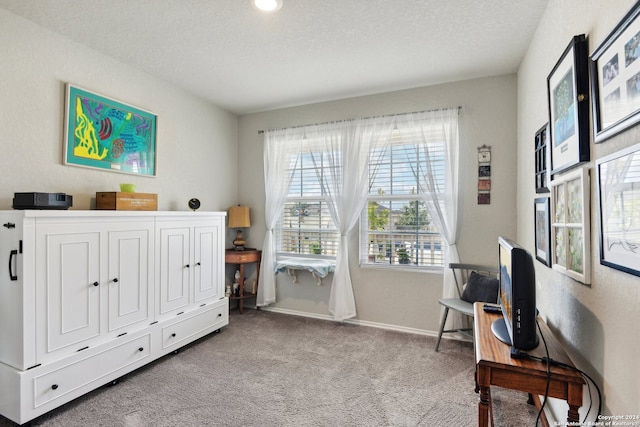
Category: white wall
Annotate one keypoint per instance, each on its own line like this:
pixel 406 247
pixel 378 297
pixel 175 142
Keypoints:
pixel 394 297
pixel 196 141
pixel 598 323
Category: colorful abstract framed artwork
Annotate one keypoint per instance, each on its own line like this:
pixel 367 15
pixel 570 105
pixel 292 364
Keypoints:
pixel 571 225
pixel 615 83
pixel 619 202
pixel 568 87
pixel 106 134
pixel 542 230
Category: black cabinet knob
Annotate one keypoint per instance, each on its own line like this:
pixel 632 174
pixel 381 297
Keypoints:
pixel 173 335
pixel 141 349
pixel 54 387
pixel 95 283
pixel 115 280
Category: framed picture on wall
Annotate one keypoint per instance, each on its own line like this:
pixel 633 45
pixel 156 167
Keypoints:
pixel 542 159
pixel 106 134
pixel 615 84
pixel 571 225
pixel 484 184
pixel 567 89
pixel 542 230
pixel 619 204
pixel 484 171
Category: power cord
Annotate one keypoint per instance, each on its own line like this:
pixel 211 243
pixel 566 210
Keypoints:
pixel 588 380
pixel 515 353
pixel 546 390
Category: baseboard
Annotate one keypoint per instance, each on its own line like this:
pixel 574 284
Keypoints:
pixel 365 323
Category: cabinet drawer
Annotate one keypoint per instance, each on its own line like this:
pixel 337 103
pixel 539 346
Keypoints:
pixel 185 330
pixel 239 257
pixel 60 382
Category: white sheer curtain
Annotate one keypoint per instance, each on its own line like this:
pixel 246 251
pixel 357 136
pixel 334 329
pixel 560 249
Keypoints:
pixel 437 127
pixel 345 149
pixel 278 145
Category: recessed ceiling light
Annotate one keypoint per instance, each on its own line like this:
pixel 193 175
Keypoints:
pixel 268 5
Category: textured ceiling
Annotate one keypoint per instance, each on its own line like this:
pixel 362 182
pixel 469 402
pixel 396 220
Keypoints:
pixel 228 52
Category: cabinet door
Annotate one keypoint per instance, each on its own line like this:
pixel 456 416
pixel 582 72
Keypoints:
pixel 67 289
pixel 208 256
pixel 174 268
pixel 129 278
pixel 16 313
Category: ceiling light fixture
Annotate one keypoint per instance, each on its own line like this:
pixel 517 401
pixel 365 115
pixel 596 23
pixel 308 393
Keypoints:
pixel 268 5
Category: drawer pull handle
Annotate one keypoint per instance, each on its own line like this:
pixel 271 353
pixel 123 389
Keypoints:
pixel 219 314
pixel 141 349
pixel 54 387
pixel 186 266
pixel 115 280
pixel 197 263
pixel 173 335
pixel 12 277
pixel 95 283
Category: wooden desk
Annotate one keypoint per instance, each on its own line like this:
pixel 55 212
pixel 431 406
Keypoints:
pixel 241 258
pixel 494 366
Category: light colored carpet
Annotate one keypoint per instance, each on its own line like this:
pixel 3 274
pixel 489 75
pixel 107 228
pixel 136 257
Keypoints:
pixel 270 369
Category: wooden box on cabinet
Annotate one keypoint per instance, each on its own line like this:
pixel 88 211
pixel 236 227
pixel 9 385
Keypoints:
pixel 118 201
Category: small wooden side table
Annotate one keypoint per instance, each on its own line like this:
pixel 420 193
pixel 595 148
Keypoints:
pixel 494 366
pixel 240 258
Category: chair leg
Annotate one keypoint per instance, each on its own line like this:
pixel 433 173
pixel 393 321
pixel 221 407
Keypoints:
pixel 444 320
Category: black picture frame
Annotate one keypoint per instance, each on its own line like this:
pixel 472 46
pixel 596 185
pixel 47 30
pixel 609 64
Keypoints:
pixel 542 159
pixel 542 220
pixel 567 90
pixel 484 171
pixel 618 197
pixel 615 79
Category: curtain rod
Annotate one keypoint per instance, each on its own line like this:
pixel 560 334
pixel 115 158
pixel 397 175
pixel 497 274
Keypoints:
pixel 360 118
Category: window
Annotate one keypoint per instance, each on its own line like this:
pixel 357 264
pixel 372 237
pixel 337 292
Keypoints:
pixel 305 226
pixel 396 228
pixel 408 182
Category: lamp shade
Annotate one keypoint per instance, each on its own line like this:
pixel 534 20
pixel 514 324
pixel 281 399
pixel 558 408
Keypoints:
pixel 239 217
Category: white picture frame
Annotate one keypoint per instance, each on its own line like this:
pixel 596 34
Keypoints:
pixel 571 225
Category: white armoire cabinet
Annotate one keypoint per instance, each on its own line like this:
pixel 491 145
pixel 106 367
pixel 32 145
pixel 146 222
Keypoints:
pixel 88 296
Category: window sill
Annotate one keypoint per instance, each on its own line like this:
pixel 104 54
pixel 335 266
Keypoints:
pixel 319 268
pixel 408 268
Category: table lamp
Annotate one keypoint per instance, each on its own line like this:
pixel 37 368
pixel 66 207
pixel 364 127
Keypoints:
pixel 239 218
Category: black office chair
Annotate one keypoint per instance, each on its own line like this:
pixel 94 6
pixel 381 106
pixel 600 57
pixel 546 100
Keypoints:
pixel 473 283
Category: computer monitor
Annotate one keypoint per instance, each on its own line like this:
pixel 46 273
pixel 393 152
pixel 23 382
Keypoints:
pixel 517 297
